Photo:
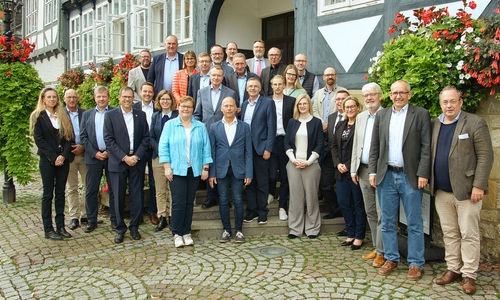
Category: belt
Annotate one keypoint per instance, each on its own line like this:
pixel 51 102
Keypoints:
pixel 131 152
pixel 396 169
pixel 281 135
pixel 363 165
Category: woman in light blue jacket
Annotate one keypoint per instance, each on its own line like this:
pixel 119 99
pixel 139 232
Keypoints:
pixel 184 151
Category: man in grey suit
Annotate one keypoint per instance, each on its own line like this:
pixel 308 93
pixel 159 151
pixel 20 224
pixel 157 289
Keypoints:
pixel 257 63
pixel 399 167
pixel 138 75
pixel 372 93
pixel 208 111
pixel 232 166
pixel 462 156
pixel 237 81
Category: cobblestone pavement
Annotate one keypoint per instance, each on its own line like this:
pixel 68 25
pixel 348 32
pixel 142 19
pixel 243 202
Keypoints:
pixel 90 266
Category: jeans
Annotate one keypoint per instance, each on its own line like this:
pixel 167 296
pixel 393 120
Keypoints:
pixel 258 190
pixel 183 189
pixel 53 178
pixel 353 209
pixel 237 188
pixel 395 186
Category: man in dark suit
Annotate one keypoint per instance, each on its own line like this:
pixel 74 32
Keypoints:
pixel 284 112
pixel 232 166
pixel 237 81
pixel 147 106
pixel 400 167
pixel 171 60
pixel 201 79
pixel 268 73
pixel 76 206
pixel 462 157
pixel 208 111
pixel 126 136
pixel 260 113
pixel 96 157
pixel 217 55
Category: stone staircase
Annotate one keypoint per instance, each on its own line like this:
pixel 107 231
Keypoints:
pixel 207 224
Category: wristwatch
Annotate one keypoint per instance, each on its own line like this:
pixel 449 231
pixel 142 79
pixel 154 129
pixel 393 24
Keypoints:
pixel 205 169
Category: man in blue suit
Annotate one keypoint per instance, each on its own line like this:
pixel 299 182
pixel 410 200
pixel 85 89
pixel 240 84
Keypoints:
pixel 260 113
pixel 201 79
pixel 232 166
pixel 96 157
pixel 164 66
pixel 126 136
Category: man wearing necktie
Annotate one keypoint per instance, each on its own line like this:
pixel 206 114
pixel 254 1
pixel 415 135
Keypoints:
pixel 258 62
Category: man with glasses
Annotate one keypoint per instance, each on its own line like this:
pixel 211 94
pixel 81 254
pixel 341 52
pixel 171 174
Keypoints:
pixel 201 79
pixel 166 65
pixel 217 55
pixel 308 80
pixel 276 68
pixel 399 168
pixel 138 75
pixel 257 63
pixel 231 50
pixel 462 157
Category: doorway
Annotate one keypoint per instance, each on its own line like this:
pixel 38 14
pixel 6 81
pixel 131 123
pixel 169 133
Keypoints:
pixel 278 31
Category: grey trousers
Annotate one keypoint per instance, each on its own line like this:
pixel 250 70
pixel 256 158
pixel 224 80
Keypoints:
pixel 372 209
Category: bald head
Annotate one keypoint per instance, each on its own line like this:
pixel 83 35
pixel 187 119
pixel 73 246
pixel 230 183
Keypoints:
pixel 71 99
pixel 330 77
pixel 228 109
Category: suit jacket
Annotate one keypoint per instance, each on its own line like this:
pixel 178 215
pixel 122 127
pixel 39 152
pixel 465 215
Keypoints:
pixel 135 80
pixel 471 155
pixel 266 78
pixel 318 98
pixel 232 83
pixel 416 145
pixel 117 140
pixel 329 137
pixel 88 136
pixel 138 106
pixel 359 139
pixel 80 116
pixel 314 136
pixel 263 127
pixel 239 154
pixel 48 141
pixel 204 111
pixel 155 131
pixel 194 86
pixel 287 111
pixel 336 142
pixel 251 61
pixel 155 74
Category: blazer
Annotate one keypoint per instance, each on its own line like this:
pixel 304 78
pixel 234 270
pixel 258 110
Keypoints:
pixel 239 154
pixel 266 78
pixel 251 61
pixel 359 139
pixel 232 83
pixel 88 137
pixel 336 150
pixel 138 106
pixel 329 137
pixel 315 136
pixel 117 139
pixel 48 141
pixel 416 145
pixel 319 96
pixel 287 111
pixel 135 80
pixel 263 127
pixel 470 159
pixel 204 111
pixel 194 86
pixel 80 116
pixel 155 131
pixel 157 69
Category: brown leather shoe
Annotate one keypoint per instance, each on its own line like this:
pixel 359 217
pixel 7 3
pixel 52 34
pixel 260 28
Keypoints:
pixel 154 219
pixel 469 285
pixel 370 255
pixel 388 267
pixel 378 261
pixel 448 277
pixel 414 273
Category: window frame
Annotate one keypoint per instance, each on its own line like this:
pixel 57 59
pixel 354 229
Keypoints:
pixel 324 9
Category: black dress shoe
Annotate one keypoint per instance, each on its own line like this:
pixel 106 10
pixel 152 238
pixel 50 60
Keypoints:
pixel 73 224
pixel 53 235
pixel 356 247
pixel 119 238
pixel 342 233
pixel 113 225
pixel 292 236
pixel 312 236
pixel 62 232
pixel 135 234
pixel 209 203
pixel 332 215
pixel 85 220
pixel 162 224
pixel 346 243
pixel 90 227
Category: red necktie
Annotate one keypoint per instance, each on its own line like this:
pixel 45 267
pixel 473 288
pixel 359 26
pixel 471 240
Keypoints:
pixel 259 66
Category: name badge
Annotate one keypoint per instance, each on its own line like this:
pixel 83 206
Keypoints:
pixel 463 136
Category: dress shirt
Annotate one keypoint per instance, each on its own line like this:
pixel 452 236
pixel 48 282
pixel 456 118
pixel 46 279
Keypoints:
pixel 171 66
pixel 256 65
pixel 280 130
pixel 148 109
pixel 441 118
pixel 54 121
pixel 99 127
pixel 76 124
pixel 340 117
pixel 204 80
pixel 230 129
pixel 242 82
pixel 327 101
pixel 365 153
pixel 129 122
pixel 214 97
pixel 249 111
pixel 396 128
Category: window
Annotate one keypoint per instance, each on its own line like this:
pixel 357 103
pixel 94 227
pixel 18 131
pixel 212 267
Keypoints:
pixel 31 7
pixel 140 23
pixel 157 28
pixel 74 41
pixel 51 11
pixel 182 22
pixel 100 33
pixel 332 6
pixel 118 38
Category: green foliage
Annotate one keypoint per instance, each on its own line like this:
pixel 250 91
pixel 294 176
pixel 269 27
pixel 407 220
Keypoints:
pixel 18 98
pixel 114 88
pixel 86 92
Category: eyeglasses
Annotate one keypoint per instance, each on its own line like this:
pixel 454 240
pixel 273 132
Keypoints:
pixel 399 93
pixel 165 99
pixel 259 47
pixel 127 97
pixel 352 107
pixel 452 102
pixel 329 75
pixel 274 55
pixel 339 99
pixel 217 53
pixel 300 61
pixel 144 57
pixel 190 58
pixel 290 74
pixel 71 97
pixel 370 95
pixel 186 107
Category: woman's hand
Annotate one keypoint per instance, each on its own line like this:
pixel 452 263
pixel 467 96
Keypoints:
pixel 59 161
pixel 204 174
pixel 169 174
pixel 342 168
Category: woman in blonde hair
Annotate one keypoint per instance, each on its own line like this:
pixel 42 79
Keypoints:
pixel 292 82
pixel 53 135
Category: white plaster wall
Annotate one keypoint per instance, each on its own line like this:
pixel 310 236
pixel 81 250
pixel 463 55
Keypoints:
pixel 49 70
pixel 241 20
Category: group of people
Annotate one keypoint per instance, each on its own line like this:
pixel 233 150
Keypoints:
pixel 250 122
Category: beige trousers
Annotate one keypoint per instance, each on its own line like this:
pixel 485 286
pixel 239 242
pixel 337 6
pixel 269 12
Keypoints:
pixel 163 196
pixel 76 205
pixel 460 224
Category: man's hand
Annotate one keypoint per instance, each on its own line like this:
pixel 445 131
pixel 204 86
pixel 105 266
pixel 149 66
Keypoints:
pixel 247 181
pixel 355 179
pixel 212 181
pixel 373 181
pixel 266 155
pixel 101 155
pixel 204 175
pixel 325 127
pixel 77 149
pixel 477 194
pixel 422 182
pixel 130 160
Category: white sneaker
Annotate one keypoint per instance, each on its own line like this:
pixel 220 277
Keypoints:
pixel 188 241
pixel 283 215
pixel 178 241
pixel 270 199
